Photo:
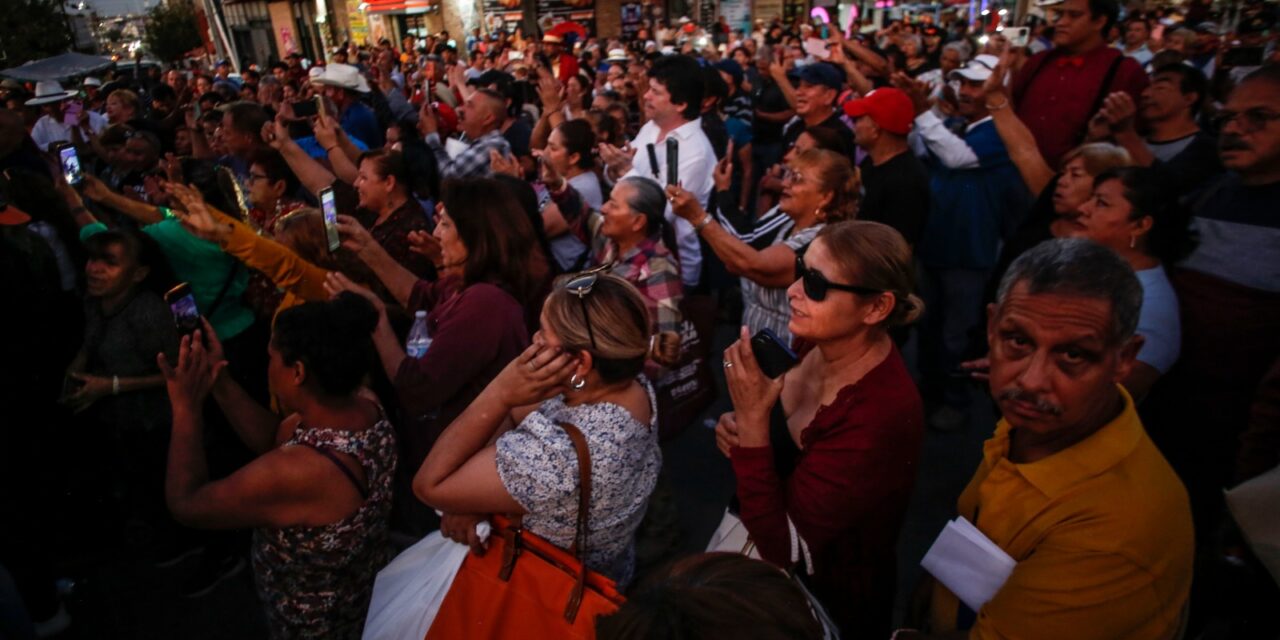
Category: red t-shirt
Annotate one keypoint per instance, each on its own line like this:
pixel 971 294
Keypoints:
pixel 1054 93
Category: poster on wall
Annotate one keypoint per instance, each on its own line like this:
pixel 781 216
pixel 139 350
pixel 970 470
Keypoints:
pixel 357 28
pixel 553 12
pixel 737 13
pixel 706 13
pixel 632 19
pixel 503 14
pixel 792 9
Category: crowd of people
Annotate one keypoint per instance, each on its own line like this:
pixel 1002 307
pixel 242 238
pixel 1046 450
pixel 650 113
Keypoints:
pixel 412 266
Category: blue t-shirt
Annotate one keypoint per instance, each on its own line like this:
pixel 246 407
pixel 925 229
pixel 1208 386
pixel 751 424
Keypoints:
pixel 359 122
pixel 1158 323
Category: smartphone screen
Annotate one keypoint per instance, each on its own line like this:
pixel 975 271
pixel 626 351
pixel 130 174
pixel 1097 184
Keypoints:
pixel 1017 36
pixel 182 303
pixel 330 210
pixel 70 165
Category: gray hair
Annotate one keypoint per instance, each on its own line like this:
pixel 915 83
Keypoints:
pixel 1076 266
pixel 647 199
pixel 959 47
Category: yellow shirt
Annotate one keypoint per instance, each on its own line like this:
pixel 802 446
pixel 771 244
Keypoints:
pixel 1101 532
pixel 300 280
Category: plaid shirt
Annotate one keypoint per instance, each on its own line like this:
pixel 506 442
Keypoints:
pixel 473 162
pixel 651 268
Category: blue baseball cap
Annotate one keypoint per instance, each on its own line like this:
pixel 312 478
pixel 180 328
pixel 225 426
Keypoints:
pixel 821 73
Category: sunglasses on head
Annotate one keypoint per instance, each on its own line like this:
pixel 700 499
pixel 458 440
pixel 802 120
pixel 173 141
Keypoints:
pixel 817 285
pixel 580 285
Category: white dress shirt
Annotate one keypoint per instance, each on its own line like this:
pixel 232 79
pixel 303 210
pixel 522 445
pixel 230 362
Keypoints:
pixel 48 131
pixel 697 161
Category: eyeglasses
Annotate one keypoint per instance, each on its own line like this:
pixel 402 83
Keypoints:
pixel 792 176
pixel 816 285
pixel 1249 120
pixel 254 177
pixel 580 285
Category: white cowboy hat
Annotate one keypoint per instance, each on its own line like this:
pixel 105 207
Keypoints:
pixel 47 92
pixel 617 55
pixel 343 75
pixel 92 82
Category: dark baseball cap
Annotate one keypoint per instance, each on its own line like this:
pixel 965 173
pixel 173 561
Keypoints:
pixel 731 67
pixel 822 73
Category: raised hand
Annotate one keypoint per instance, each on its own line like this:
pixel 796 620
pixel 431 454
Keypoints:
pixel 685 204
pixel 504 164
pixel 916 90
pixel 723 173
pixel 190 379
pixel 335 282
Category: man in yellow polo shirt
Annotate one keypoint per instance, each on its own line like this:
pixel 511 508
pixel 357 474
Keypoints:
pixel 1070 485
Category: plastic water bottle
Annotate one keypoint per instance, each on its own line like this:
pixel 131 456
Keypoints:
pixel 419 340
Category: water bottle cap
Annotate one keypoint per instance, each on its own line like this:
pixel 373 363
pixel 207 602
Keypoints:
pixel 419 314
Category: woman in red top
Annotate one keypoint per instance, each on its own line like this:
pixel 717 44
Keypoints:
pixel 831 447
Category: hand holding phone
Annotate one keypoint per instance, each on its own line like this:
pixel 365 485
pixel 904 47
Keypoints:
pixel 772 354
pixel 329 207
pixel 70 163
pixel 182 303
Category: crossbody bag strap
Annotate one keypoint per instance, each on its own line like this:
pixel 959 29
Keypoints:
pixel 226 285
pixel 584 508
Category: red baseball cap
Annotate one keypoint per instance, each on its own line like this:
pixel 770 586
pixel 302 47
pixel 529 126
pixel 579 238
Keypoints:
pixel 888 107
pixel 11 216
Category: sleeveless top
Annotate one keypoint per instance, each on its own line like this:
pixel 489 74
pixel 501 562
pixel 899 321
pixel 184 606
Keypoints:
pixel 316 581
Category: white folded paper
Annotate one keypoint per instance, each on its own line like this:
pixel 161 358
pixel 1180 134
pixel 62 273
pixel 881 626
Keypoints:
pixel 1256 507
pixel 968 563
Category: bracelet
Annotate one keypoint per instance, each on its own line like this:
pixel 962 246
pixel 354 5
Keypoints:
pixel 115 385
pixel 999 106
pixel 702 224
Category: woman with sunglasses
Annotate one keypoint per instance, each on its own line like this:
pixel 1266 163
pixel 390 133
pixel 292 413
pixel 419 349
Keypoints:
pixel 492 278
pixel 825 456
pixel 821 187
pixel 583 369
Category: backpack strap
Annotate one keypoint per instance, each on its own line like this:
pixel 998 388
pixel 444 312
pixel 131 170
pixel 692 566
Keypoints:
pixel 346 471
pixel 1103 91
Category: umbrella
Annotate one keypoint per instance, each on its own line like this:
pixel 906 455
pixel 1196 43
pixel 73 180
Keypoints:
pixel 565 28
pixel 59 67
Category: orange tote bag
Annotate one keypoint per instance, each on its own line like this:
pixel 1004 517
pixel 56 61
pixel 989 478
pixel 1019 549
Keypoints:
pixel 525 587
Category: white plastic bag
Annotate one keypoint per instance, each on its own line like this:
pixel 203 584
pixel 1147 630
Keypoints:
pixel 407 592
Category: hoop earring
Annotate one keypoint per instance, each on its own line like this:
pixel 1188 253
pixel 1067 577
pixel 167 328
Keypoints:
pixel 577 382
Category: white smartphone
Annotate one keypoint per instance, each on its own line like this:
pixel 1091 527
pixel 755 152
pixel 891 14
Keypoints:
pixel 1018 36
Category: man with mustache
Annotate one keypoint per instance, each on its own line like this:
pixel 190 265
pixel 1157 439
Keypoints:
pixel 1229 297
pixel 976 192
pixel 1070 485
pixel 1174 141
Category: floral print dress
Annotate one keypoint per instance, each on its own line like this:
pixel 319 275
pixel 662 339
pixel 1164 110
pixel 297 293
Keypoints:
pixel 316 581
pixel 539 468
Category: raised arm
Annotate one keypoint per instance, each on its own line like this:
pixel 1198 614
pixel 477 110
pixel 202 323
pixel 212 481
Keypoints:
pixel 772 266
pixel 1015 134
pixel 398 280
pixel 142 212
pixel 311 173
pixel 331 138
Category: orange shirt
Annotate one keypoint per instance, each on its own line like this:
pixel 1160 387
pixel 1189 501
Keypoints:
pixel 1101 532
pixel 300 280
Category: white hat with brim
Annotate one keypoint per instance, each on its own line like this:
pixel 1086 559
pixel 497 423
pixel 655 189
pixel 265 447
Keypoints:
pixel 48 92
pixel 978 69
pixel 92 82
pixel 617 55
pixel 344 76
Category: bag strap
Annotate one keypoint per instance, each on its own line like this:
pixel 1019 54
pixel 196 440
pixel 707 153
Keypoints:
pixel 226 284
pixel 1103 92
pixel 346 471
pixel 579 549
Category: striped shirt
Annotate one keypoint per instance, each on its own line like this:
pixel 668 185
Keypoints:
pixel 767 307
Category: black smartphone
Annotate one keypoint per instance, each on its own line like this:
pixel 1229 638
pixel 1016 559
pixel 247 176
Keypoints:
pixel 673 160
pixel 183 305
pixel 1242 57
pixel 329 208
pixel 772 354
pixel 70 163
pixel 305 109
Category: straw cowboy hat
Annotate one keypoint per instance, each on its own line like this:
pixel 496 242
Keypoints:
pixel 344 76
pixel 47 92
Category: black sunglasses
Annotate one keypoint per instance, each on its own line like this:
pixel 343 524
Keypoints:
pixel 816 285
pixel 580 284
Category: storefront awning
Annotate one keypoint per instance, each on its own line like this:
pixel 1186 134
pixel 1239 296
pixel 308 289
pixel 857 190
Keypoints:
pixel 397 6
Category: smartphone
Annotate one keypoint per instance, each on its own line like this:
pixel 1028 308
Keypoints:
pixel 772 354
pixel 305 109
pixel 1242 57
pixel 330 210
pixel 196 110
pixel 673 161
pixel 70 163
pixel 182 303
pixel 1018 36
pixel 320 110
